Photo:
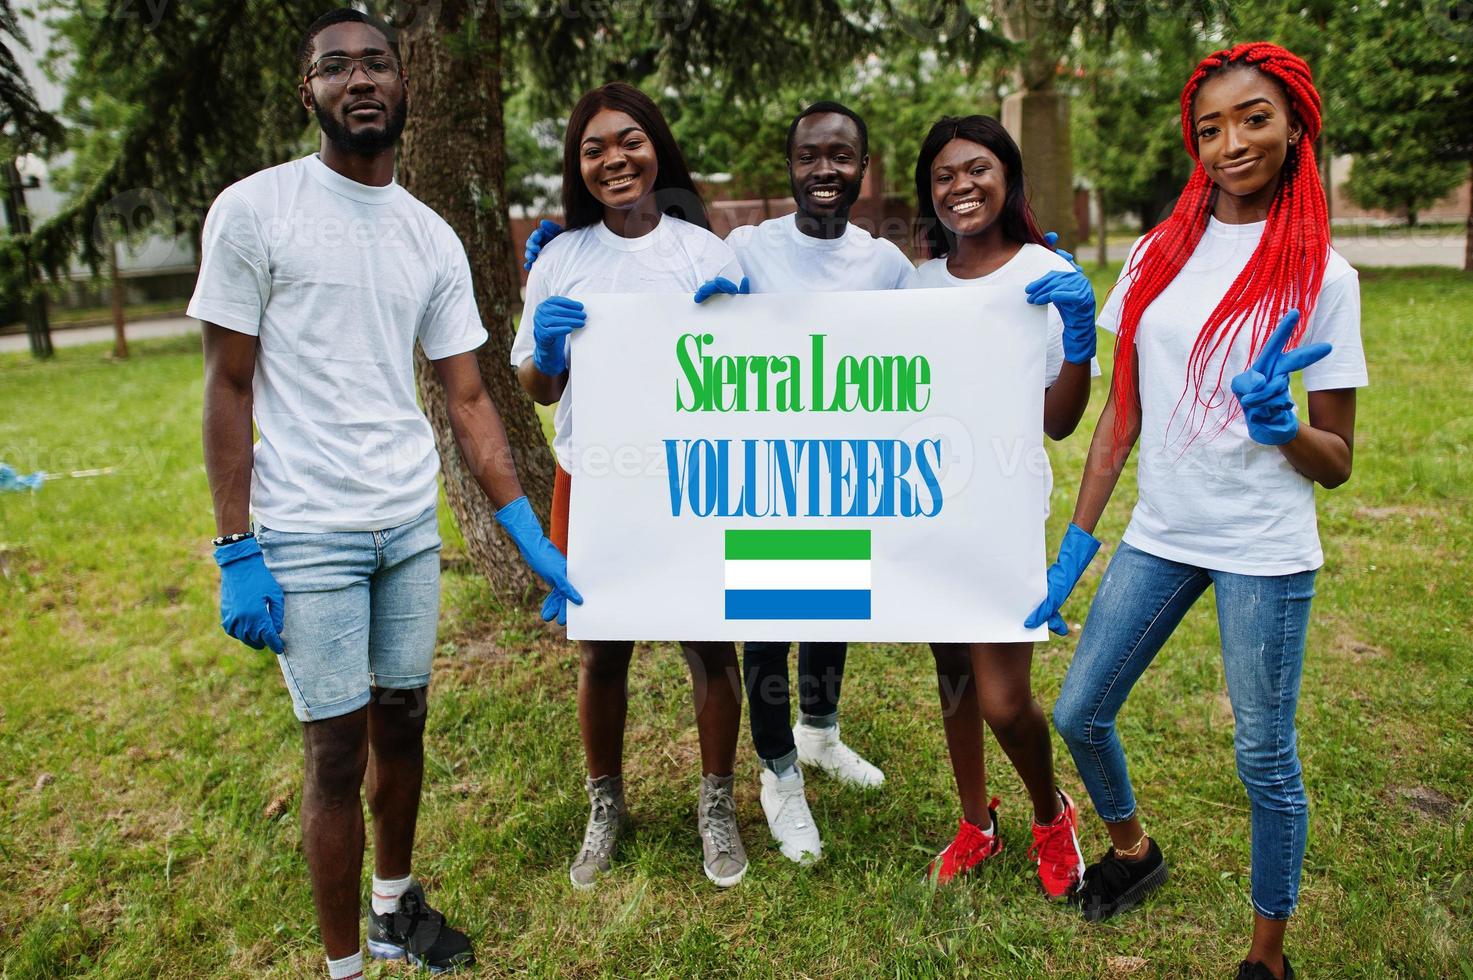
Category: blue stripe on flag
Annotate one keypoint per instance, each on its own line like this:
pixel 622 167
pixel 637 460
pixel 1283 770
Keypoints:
pixel 797 604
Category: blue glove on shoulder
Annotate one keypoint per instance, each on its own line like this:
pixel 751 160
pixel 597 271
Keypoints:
pixel 1052 237
pixel 555 318
pixel 1075 553
pixel 250 599
pixel 542 556
pixel 721 284
pixel 545 232
pixel 1263 389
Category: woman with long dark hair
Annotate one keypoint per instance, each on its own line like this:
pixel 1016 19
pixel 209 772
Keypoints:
pixel 635 224
pixel 1215 309
pixel 979 230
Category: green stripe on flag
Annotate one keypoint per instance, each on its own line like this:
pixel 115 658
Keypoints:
pixel 797 544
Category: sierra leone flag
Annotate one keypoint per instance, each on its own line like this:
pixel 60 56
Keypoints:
pixel 797 574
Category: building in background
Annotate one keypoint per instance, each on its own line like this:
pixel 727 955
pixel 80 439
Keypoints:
pixel 154 268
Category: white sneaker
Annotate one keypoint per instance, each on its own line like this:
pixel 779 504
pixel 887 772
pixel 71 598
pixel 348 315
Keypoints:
pixel 821 747
pixel 788 817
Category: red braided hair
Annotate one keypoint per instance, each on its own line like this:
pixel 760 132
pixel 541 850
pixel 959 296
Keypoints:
pixel 1284 272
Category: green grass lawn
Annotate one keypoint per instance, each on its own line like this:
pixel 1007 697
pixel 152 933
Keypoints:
pixel 148 820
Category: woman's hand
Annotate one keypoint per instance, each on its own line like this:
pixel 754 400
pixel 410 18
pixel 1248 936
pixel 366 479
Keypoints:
pixel 554 319
pixel 721 284
pixel 1076 551
pixel 545 232
pixel 1263 389
pixel 1074 297
pixel 1079 336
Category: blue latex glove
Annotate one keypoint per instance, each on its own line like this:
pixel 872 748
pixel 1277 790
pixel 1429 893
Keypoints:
pixel 250 599
pixel 11 480
pixel 554 318
pixel 1263 389
pixel 542 556
pixel 1052 237
pixel 1079 340
pixel 545 232
pixel 1074 298
pixel 1075 553
pixel 722 285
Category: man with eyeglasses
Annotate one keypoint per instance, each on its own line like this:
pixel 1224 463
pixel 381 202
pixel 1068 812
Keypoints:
pixel 316 280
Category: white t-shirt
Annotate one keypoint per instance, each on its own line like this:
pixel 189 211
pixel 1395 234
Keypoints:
pixel 1217 499
pixel 1031 262
pixel 676 257
pixel 778 258
pixel 338 280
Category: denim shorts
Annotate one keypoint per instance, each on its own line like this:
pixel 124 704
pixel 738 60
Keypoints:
pixel 361 608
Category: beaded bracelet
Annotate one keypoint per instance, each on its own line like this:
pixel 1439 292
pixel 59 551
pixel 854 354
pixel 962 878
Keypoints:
pixel 225 539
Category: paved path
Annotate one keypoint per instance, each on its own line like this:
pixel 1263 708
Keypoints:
pixel 1387 247
pixel 1403 246
pixel 141 330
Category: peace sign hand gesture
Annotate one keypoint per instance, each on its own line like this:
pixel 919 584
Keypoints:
pixel 1263 389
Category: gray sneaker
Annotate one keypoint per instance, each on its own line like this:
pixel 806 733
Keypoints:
pixel 724 857
pixel 607 817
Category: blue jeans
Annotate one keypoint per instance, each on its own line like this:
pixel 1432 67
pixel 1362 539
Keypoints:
pixel 769 703
pixel 1262 619
pixel 361 609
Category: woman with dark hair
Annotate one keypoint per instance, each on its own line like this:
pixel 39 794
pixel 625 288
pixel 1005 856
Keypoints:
pixel 1215 294
pixel 979 230
pixel 635 225
pixel 667 184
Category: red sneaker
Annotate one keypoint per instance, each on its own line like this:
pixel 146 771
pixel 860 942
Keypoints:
pixel 967 850
pixel 1056 852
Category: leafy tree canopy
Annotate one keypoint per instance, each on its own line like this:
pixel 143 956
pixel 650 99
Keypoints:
pixel 24 125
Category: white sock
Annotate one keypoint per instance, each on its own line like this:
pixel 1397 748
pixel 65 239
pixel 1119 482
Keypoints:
pixel 788 775
pixel 386 893
pixel 347 968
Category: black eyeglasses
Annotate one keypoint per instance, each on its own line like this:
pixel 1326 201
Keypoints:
pixel 336 69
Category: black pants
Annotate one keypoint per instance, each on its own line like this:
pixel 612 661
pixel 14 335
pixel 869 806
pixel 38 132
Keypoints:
pixel 765 669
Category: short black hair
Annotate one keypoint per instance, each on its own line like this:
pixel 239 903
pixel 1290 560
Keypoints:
pixel 342 15
pixel 834 107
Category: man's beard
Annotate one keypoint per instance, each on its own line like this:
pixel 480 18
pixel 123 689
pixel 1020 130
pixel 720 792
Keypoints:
pixel 364 142
pixel 846 201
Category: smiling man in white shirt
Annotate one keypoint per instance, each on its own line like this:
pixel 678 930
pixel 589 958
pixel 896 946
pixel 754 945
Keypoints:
pixel 317 279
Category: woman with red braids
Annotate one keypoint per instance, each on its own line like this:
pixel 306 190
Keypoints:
pixel 1204 311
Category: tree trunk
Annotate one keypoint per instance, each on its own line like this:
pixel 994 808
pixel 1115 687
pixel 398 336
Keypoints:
pixel 33 297
pixel 1039 121
pixel 120 338
pixel 1037 115
pixel 1324 159
pixel 1103 254
pixel 1468 232
pixel 453 159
